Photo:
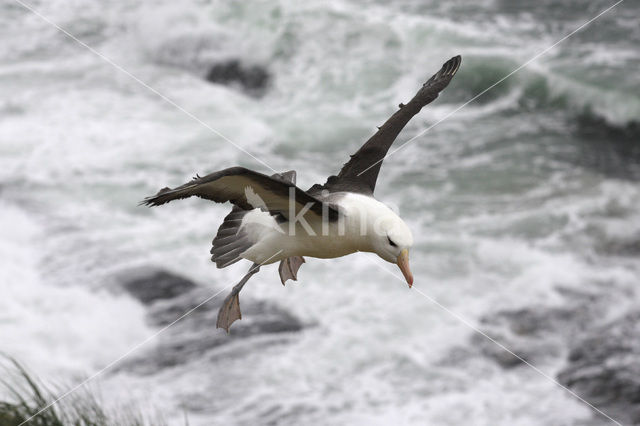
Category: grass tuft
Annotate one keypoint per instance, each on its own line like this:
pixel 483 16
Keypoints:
pixel 27 396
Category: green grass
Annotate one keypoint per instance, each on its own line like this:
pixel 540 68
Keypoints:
pixel 27 397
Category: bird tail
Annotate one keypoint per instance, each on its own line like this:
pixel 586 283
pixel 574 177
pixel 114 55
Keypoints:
pixel 230 241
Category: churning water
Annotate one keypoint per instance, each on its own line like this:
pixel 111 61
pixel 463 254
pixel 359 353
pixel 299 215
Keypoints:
pixel 524 200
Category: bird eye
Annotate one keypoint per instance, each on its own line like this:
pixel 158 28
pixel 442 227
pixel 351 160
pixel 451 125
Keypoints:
pixel 391 242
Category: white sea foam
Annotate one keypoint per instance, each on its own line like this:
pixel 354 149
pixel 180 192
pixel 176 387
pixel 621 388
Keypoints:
pixel 500 216
pixel 56 331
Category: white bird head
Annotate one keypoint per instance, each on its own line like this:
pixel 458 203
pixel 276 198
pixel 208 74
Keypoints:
pixel 380 229
pixel 392 241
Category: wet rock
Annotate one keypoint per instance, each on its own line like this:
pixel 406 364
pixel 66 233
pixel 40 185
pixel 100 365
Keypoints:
pixel 253 79
pixel 611 149
pixel 592 126
pixel 538 333
pixel 190 312
pixel 604 368
pixel 196 335
pixel 627 248
pixel 530 333
pixel 203 54
pixel 149 284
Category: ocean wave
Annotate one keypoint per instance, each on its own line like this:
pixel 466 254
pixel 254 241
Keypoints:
pixel 284 44
pixel 538 88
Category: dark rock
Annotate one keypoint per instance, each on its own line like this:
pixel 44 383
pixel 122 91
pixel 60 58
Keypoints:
pixel 603 360
pixel 628 247
pixel 149 285
pixel 190 316
pixel 196 334
pixel 604 368
pixel 537 333
pixel 529 333
pixel 592 126
pixel 611 149
pixel 252 78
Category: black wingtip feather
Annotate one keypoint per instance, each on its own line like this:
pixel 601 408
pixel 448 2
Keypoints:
pixel 452 65
pixel 448 70
pixel 155 200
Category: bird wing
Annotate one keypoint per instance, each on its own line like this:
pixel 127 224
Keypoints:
pixel 360 173
pixel 248 190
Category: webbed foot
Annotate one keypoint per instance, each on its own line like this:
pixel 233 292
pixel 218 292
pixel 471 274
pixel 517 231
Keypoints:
pixel 230 309
pixel 288 268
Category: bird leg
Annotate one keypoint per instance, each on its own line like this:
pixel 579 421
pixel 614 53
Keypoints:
pixel 289 268
pixel 230 309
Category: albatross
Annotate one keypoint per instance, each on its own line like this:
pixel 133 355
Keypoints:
pixel 274 220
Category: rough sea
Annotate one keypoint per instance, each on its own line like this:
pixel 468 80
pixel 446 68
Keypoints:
pixel 524 204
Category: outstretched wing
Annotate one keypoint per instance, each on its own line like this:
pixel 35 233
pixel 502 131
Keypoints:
pixel 361 172
pixel 248 190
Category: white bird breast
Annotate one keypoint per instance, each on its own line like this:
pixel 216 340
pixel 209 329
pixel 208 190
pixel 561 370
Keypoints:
pixel 364 221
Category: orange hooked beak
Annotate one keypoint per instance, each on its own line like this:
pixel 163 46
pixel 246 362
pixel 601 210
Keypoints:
pixel 403 264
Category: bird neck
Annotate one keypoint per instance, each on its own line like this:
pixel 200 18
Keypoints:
pixel 364 218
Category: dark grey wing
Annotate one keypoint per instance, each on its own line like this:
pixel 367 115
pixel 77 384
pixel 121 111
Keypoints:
pixel 248 190
pixel 231 240
pixel 361 172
